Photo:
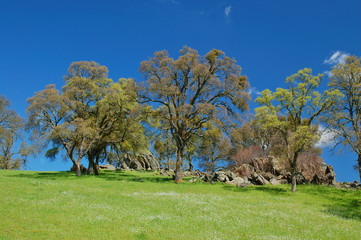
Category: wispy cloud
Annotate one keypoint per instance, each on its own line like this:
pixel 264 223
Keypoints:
pixel 169 1
pixel 227 11
pixel 336 58
pixel 253 91
pixel 328 137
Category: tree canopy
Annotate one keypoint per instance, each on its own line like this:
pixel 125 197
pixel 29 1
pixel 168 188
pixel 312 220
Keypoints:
pixel 10 131
pixel 90 117
pixel 293 111
pixel 193 90
pixel 345 118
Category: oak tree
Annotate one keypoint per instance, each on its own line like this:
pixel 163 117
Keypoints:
pixel 193 90
pixel 293 111
pixel 345 117
pixel 11 126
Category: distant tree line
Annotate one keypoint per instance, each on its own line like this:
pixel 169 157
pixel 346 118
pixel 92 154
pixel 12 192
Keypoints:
pixel 188 109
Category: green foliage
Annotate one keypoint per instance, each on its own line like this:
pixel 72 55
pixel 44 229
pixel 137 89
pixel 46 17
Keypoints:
pixel 92 117
pixel 292 112
pixel 345 118
pixel 116 205
pixel 214 148
pixel 192 91
pixel 11 126
pixel 165 148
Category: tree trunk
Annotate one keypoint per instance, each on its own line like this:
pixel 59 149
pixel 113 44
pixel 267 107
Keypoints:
pixel 294 172
pixel 190 164
pixel 178 166
pixel 91 165
pixel 96 166
pixel 168 160
pixel 77 168
pixel 359 165
pixel 294 181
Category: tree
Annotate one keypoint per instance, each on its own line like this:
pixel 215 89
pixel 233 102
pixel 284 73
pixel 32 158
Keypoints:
pixel 117 119
pixel 345 118
pixel 214 148
pixel 90 117
pixel 10 130
pixel 193 90
pixel 292 112
pixel 165 148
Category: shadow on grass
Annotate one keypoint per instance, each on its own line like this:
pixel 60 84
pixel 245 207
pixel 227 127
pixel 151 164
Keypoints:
pixel 345 208
pixel 266 189
pixel 46 175
pixel 340 202
pixel 105 175
pixel 133 177
pixel 349 210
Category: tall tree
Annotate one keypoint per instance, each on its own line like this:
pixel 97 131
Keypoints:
pixel 10 130
pixel 214 148
pixel 165 148
pixel 292 112
pixel 89 118
pixel 193 90
pixel 345 118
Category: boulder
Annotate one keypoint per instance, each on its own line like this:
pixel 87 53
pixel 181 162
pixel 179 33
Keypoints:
pixel 300 179
pixel 323 168
pixel 140 162
pixel 274 181
pixel 238 181
pixel 245 170
pixel 330 175
pixel 222 176
pixel 259 179
pixel 82 169
pixel 107 167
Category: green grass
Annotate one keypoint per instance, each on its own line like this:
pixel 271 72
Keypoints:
pixel 117 205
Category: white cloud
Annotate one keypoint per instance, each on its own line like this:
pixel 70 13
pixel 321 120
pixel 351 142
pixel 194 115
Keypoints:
pixel 228 10
pixel 328 137
pixel 337 58
pixel 328 73
pixel 254 91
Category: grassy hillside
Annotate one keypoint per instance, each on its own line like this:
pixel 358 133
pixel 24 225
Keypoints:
pixel 132 205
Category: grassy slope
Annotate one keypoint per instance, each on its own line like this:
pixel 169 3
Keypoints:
pixel 58 205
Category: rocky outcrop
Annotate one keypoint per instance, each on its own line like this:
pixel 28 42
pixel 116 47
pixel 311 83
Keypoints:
pixel 140 162
pixel 349 185
pixel 223 176
pixel 107 167
pixel 326 175
pixel 263 171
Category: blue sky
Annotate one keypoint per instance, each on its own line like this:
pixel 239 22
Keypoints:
pixel 269 39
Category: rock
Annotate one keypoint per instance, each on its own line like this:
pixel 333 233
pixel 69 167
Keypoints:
pixel 300 179
pixel 193 180
pixel 245 170
pixel 82 169
pixel 315 179
pixel 107 167
pixel 222 176
pixel 246 181
pixel 274 181
pixel 283 181
pixel 323 168
pixel 259 179
pixel 140 162
pixel 267 175
pixel 238 181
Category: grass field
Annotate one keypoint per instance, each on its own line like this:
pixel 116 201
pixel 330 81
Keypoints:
pixel 134 205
